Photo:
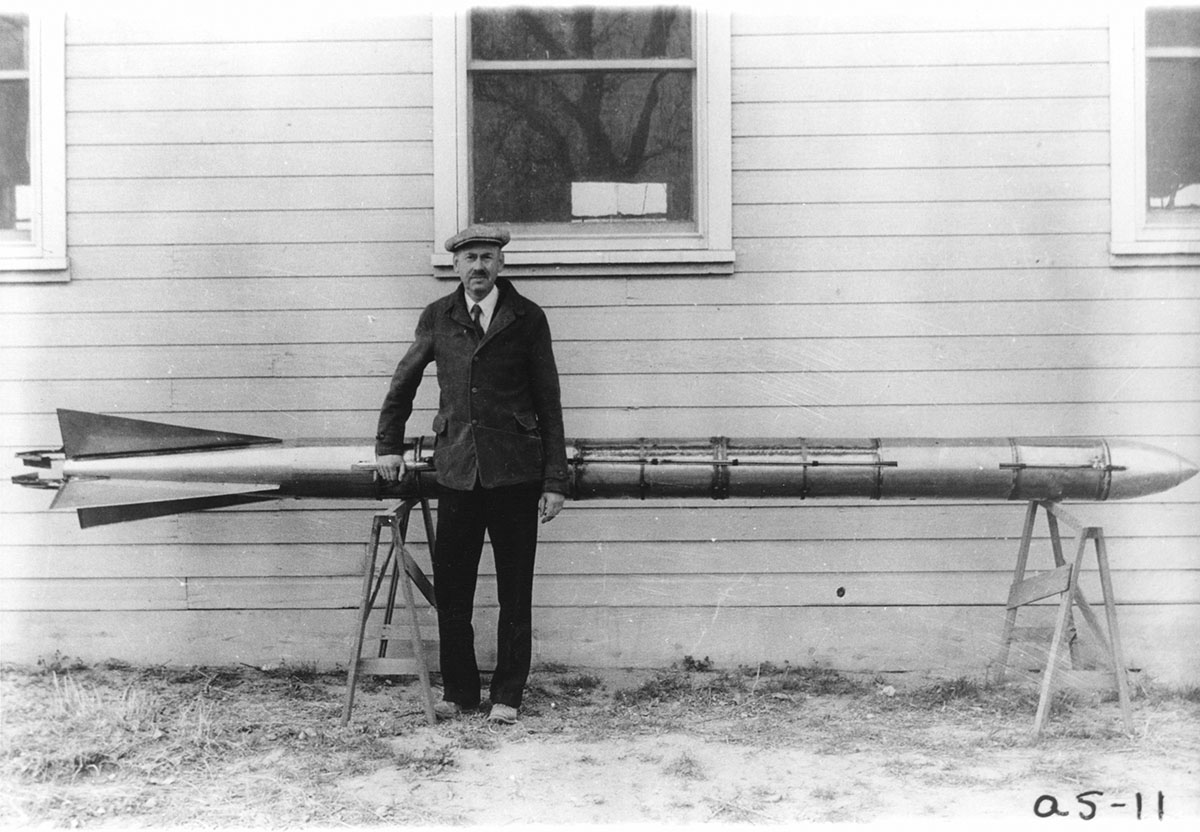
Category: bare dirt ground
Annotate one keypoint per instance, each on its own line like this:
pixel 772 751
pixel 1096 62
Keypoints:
pixel 153 747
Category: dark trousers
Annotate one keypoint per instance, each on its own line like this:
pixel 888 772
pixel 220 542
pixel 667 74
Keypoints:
pixel 509 515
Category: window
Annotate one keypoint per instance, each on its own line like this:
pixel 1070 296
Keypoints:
pixel 1155 134
pixel 32 149
pixel 599 136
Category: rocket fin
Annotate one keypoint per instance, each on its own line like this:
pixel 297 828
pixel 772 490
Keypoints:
pixel 99 502
pixel 95 434
pixel 93 493
pixel 104 515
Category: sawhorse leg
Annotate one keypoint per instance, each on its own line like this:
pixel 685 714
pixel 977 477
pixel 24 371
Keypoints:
pixel 1064 581
pixel 400 561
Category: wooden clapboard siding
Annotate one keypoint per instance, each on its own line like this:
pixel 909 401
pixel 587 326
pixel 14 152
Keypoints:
pixel 359 56
pixel 248 161
pixel 918 152
pixel 639 521
pixel 710 390
pixel 1005 184
pixel 907 83
pixel 106 290
pixel 237 92
pixel 782 590
pixel 374 359
pixel 570 557
pixel 781 320
pixel 921 228
pixel 945 118
pixel 249 126
pixel 1164 421
pixel 136 197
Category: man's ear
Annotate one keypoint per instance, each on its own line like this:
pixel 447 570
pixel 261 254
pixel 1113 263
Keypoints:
pixel 500 258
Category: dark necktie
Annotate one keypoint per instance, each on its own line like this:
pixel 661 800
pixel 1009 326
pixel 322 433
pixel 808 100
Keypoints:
pixel 476 312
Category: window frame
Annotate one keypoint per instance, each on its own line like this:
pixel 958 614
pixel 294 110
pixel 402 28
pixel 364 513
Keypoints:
pixel 1135 238
pixel 708 250
pixel 44 257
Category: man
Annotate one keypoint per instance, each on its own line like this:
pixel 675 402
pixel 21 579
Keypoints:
pixel 500 458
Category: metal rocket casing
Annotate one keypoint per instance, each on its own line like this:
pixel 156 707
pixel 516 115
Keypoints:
pixel 116 469
pixel 1033 468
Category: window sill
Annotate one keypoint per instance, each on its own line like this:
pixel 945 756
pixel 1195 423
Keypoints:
pixel 1135 254
pixel 603 263
pixel 35 270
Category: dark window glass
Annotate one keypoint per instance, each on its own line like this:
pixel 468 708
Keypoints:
pixel 14 53
pixel 14 127
pixel 580 33
pixel 537 136
pixel 579 143
pixel 1172 27
pixel 1173 109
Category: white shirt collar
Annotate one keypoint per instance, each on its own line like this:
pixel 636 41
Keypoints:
pixel 487 306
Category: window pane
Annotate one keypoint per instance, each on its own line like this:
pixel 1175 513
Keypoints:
pixel 1172 27
pixel 1173 110
pixel 14 50
pixel 14 131
pixel 580 33
pixel 15 195
pixel 557 147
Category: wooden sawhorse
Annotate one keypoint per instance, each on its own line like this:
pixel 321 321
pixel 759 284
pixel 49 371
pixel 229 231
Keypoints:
pixel 1064 582
pixel 400 561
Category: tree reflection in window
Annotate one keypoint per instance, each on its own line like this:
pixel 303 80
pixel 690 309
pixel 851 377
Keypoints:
pixel 1173 108
pixel 583 95
pixel 14 126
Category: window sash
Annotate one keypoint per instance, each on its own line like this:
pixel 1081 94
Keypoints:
pixel 619 247
pixel 1138 229
pixel 43 257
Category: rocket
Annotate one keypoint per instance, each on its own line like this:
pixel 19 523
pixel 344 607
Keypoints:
pixel 112 469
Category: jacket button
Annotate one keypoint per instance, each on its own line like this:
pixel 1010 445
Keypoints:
pixel 474 421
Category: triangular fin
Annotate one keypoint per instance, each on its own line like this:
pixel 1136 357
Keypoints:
pixel 94 493
pixel 104 515
pixel 95 434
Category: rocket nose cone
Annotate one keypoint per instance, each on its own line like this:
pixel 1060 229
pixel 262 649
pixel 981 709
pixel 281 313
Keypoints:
pixel 1145 469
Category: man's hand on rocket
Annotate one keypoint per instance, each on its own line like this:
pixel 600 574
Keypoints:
pixel 390 467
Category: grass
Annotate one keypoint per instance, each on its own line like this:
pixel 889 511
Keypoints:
pixel 84 745
pixel 248 746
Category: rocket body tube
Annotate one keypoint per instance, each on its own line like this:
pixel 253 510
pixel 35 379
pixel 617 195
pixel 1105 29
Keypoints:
pixel 872 469
pixel 1037 468
pixel 117 469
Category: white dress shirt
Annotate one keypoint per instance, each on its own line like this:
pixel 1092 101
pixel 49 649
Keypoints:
pixel 487 307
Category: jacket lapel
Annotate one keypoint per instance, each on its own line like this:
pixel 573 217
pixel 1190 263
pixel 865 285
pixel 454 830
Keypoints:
pixel 503 317
pixel 505 314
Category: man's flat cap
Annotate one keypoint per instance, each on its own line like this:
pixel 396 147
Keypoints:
pixel 478 234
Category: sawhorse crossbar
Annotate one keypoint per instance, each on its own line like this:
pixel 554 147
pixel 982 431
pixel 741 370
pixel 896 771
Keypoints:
pixel 1064 582
pixel 397 560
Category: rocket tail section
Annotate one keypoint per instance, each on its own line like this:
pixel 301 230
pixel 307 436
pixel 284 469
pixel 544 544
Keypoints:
pixel 104 515
pixel 95 434
pixel 100 501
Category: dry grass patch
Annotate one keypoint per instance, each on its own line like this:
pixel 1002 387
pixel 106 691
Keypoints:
pixel 252 747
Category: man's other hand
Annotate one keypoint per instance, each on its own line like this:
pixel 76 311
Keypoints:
pixel 390 467
pixel 550 505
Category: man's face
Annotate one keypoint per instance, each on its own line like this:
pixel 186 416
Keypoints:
pixel 478 265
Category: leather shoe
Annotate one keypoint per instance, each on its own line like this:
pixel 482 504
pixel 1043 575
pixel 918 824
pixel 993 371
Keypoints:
pixel 504 714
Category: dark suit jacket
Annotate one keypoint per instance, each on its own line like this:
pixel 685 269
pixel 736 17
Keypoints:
pixel 499 413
